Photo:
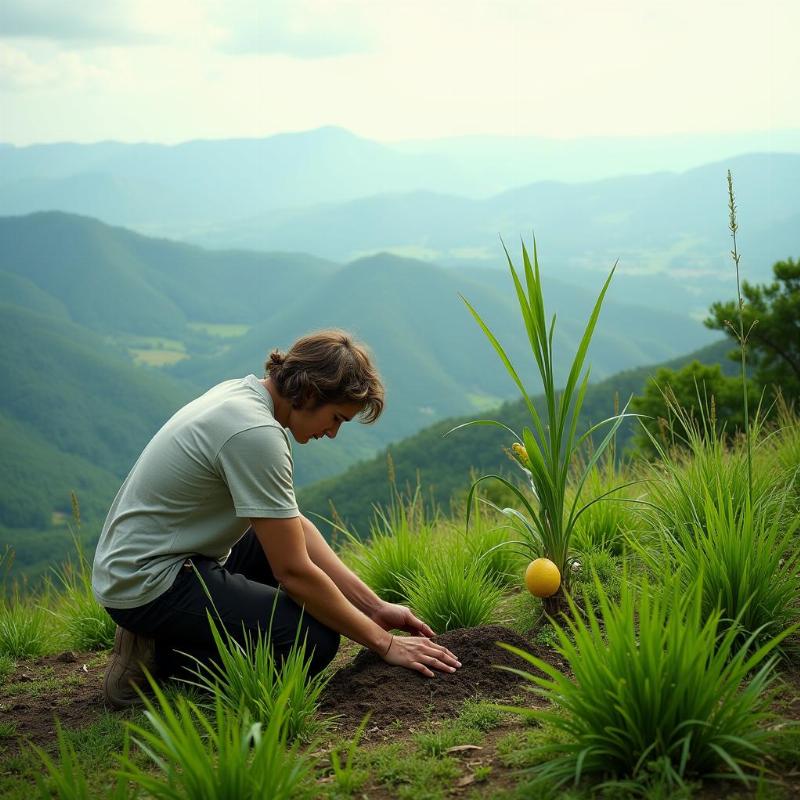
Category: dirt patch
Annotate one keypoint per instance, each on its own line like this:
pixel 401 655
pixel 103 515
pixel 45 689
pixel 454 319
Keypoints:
pixel 67 686
pixel 392 694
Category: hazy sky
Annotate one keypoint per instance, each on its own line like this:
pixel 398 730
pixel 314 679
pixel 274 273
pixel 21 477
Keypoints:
pixel 171 70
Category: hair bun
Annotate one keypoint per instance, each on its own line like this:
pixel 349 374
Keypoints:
pixel 276 359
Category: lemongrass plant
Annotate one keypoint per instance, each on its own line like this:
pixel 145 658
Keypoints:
pixel 749 563
pixel 655 689
pixel 547 450
pixel 248 677
pixel 226 755
pixel 453 590
pixel 400 539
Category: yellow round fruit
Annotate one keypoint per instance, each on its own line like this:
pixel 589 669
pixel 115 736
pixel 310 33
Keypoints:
pixel 542 577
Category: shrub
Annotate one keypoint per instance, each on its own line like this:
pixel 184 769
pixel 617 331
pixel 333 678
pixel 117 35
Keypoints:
pixel 452 590
pixel 669 693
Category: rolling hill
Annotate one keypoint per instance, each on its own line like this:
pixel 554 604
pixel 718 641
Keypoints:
pixel 142 292
pixel 178 190
pixel 668 230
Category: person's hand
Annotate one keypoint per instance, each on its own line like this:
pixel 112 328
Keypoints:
pixel 421 654
pixel 391 616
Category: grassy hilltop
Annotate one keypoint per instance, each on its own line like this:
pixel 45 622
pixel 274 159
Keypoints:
pixel 684 668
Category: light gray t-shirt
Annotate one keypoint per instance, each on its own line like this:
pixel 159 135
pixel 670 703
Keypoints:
pixel 218 461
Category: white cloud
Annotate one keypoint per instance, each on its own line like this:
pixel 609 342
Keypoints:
pixel 297 28
pixel 20 71
pixel 179 69
pixel 92 23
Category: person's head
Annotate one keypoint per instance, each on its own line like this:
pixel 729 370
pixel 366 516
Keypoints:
pixel 324 379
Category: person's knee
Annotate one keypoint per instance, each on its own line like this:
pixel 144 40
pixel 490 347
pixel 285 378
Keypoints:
pixel 323 643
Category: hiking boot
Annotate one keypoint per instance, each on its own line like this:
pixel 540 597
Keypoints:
pixel 131 656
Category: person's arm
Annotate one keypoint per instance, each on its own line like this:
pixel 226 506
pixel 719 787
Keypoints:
pixel 350 585
pixel 387 615
pixel 284 544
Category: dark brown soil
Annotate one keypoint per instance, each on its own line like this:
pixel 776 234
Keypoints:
pixel 389 694
pixel 66 686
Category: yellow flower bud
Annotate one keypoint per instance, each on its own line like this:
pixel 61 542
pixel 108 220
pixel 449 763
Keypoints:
pixel 521 453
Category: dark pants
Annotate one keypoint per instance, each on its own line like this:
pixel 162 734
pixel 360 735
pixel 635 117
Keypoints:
pixel 245 593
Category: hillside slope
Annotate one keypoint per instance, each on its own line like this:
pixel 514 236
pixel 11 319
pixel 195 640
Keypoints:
pixel 434 358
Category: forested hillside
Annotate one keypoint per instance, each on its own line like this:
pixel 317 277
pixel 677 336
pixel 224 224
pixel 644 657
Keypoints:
pixel 74 415
pixel 89 311
pixel 670 227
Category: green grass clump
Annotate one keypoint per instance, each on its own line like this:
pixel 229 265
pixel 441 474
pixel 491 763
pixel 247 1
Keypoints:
pixel 224 755
pixel 400 540
pixel 347 778
pixel 667 694
pixel 488 543
pixel 480 715
pixel 68 780
pixel 452 590
pixel 249 678
pixel 24 628
pixel 86 623
pixel 609 513
pixel 7 667
pixel 412 775
pixel 784 450
pixel 438 739
pixel 702 460
pixel 603 566
pixel 749 565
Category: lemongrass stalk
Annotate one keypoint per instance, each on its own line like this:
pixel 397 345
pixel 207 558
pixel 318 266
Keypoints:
pixel 740 334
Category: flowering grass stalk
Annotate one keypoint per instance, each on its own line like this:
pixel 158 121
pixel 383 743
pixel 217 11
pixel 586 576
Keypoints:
pixel 655 685
pixel 739 334
pixel 547 449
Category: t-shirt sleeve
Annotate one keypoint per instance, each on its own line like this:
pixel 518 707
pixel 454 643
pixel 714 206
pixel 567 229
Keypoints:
pixel 256 465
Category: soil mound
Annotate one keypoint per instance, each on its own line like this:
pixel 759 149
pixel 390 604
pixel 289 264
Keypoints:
pixel 390 693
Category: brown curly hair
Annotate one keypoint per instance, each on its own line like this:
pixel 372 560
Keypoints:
pixel 327 366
